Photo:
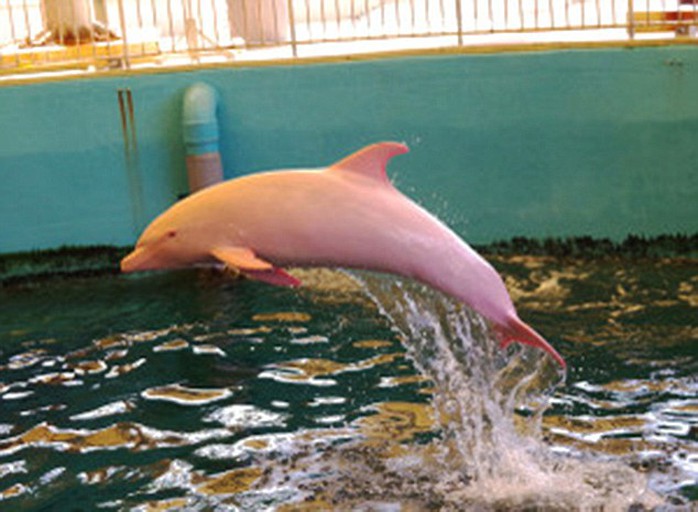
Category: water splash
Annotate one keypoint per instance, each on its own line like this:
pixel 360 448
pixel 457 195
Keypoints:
pixel 489 407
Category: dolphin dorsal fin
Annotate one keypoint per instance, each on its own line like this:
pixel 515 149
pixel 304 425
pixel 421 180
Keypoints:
pixel 371 161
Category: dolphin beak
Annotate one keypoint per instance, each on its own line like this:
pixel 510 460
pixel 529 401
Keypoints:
pixel 519 331
pixel 136 261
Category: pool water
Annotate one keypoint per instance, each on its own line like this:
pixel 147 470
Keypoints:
pixel 195 390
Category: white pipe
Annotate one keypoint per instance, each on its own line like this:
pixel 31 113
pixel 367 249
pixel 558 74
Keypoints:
pixel 200 130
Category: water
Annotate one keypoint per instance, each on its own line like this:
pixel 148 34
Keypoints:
pixel 191 390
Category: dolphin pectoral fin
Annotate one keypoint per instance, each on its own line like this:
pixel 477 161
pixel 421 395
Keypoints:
pixel 247 262
pixel 275 276
pixel 241 258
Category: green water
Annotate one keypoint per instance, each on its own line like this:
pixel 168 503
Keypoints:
pixel 193 390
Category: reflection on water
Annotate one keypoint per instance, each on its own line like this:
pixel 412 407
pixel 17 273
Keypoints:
pixel 190 390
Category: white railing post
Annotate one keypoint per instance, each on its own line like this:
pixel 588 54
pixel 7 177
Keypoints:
pixel 630 22
pixel 124 37
pixel 459 20
pixel 292 29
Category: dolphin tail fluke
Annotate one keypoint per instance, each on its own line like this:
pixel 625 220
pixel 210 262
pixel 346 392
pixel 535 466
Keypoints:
pixel 519 331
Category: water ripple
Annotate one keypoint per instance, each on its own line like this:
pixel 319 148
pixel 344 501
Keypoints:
pixel 192 391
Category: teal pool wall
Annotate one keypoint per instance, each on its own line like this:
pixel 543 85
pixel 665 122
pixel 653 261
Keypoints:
pixel 598 142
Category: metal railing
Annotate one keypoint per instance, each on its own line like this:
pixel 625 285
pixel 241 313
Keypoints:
pixel 41 34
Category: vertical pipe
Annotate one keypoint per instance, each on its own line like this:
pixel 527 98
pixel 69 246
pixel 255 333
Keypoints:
pixel 200 133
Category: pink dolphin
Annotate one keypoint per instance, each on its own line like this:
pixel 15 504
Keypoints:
pixel 347 215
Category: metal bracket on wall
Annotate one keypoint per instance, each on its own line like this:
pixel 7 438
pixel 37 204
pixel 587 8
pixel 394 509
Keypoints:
pixel 131 159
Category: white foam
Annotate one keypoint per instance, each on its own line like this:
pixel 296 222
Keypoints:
pixel 488 454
